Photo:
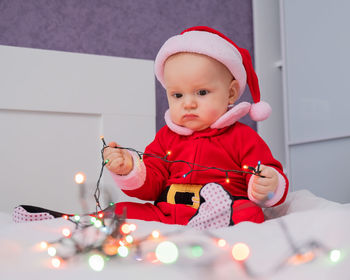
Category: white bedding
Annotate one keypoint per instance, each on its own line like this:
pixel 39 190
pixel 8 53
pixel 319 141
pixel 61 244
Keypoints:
pixel 309 219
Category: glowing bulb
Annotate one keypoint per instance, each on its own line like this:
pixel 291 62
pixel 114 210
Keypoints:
pixel 96 262
pixel 80 178
pixel 44 245
pixel 65 217
pixel 167 252
pixel 93 220
pixel 123 251
pixel 334 255
pixel 168 153
pixel 221 243
pixel 227 180
pixel 125 228
pixel 56 262
pixel 98 223
pixel 66 232
pixel 301 258
pixel 110 247
pixel 132 227
pixel 129 239
pixel 51 251
pixel 100 215
pixel 245 166
pixel 77 218
pixel 155 234
pixel 240 251
pixel 197 251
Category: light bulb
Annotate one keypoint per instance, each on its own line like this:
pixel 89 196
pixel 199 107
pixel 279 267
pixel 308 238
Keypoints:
pixel 167 252
pixel 240 251
pixel 80 178
pixel 96 262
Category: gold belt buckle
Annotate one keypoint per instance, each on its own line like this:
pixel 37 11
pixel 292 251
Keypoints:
pixel 174 188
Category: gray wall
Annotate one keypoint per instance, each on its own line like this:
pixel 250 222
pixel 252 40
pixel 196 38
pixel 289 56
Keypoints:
pixel 135 28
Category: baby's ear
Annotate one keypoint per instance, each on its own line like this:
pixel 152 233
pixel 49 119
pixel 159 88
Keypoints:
pixel 233 91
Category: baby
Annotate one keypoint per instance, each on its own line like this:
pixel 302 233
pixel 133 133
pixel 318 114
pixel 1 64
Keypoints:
pixel 204 74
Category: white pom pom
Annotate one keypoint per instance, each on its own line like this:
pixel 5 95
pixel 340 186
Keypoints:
pixel 260 111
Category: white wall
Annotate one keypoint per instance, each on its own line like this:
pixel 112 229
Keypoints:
pixel 53 108
pixel 309 42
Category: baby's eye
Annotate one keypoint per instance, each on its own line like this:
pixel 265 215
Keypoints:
pixel 203 92
pixel 177 95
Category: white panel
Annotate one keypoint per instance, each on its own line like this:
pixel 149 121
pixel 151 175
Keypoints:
pixel 318 58
pixel 267 57
pixel 322 168
pixel 40 154
pixel 53 108
pixel 71 82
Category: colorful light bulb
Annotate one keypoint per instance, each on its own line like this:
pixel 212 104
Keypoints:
pixel 80 178
pixel 196 251
pixel 129 239
pixel 132 227
pixel 334 255
pixel 77 218
pixel 123 251
pixel 66 232
pixel 155 234
pixel 240 251
pixel 51 251
pixel 221 243
pixel 96 262
pixel 167 252
pixel 56 262
pixel 125 228
pixel 98 223
pixel 43 245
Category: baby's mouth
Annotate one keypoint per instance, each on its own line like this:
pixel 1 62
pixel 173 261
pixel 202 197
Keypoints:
pixel 190 117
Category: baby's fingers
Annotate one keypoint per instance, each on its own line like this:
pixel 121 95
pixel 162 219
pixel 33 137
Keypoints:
pixel 262 181
pixel 112 144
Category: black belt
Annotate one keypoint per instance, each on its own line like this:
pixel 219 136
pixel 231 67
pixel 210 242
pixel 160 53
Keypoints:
pixel 186 194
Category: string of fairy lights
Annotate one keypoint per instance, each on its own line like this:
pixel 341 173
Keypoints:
pixel 103 235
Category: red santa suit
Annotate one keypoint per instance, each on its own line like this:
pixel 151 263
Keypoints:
pixel 187 191
pixel 226 145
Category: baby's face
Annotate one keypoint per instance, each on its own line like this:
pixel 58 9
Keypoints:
pixel 199 89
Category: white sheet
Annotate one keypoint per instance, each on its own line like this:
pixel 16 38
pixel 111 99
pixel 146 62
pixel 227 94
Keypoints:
pixel 308 218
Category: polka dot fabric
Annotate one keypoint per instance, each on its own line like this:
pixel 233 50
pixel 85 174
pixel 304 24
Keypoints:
pixel 20 215
pixel 216 211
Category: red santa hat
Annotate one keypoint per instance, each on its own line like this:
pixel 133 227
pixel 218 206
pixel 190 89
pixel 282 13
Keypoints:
pixel 207 41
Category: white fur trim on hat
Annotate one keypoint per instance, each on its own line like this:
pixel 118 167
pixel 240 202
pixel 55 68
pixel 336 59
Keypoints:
pixel 205 43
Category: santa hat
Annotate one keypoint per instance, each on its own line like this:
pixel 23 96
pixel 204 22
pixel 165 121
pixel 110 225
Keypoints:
pixel 207 41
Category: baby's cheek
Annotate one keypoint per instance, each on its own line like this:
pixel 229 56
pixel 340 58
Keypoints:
pixel 214 114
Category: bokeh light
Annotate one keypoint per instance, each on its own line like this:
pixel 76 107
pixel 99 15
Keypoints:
pixel 240 251
pixel 167 252
pixel 96 262
pixel 80 178
pixel 334 255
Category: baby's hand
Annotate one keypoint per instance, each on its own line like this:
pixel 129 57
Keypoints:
pixel 119 161
pixel 263 186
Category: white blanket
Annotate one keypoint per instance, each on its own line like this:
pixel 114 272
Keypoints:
pixel 313 225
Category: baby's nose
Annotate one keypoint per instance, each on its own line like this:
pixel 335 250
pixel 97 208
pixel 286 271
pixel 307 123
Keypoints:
pixel 190 102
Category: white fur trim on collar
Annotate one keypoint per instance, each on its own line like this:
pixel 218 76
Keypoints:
pixel 227 119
